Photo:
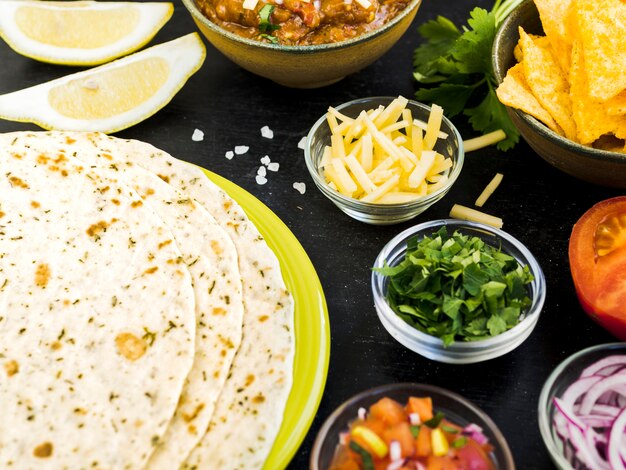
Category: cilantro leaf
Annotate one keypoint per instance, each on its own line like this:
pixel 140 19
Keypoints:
pixel 449 96
pixel 453 68
pixel 472 50
pixel 265 19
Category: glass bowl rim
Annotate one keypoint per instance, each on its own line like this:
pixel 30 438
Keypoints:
pixel 322 434
pixel 544 416
pixel 458 158
pixel 531 315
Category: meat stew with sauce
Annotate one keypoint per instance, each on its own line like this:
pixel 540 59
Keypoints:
pixel 299 22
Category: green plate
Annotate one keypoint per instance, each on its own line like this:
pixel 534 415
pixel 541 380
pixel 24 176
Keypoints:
pixel 312 330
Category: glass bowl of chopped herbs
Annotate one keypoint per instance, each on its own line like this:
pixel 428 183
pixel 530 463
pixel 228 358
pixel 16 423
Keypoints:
pixel 462 421
pixel 457 291
pixel 384 160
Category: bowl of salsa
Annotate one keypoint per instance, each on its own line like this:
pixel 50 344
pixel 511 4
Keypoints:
pixel 406 426
pixel 303 44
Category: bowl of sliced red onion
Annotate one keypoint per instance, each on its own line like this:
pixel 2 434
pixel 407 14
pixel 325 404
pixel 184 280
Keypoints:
pixel 582 410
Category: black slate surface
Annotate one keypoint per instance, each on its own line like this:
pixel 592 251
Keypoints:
pixel 539 205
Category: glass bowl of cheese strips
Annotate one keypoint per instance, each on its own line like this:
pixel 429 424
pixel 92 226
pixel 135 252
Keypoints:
pixel 384 160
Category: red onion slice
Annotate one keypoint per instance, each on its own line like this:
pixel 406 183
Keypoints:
pixel 596 391
pixel 579 388
pixel 615 451
pixel 618 360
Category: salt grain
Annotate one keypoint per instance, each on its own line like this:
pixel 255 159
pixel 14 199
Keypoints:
pixel 230 154
pixel 266 160
pixel 267 132
pixel 302 143
pixel 241 149
pixel 197 136
pixel 300 187
pixel 261 171
pixel 273 166
pixel 261 179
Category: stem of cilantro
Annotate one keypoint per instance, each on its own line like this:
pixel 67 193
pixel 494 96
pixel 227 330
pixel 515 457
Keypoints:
pixel 501 9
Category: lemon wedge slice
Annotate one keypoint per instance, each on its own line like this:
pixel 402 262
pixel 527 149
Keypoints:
pixel 110 97
pixel 77 32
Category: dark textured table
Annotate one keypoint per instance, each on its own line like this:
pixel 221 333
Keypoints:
pixel 539 205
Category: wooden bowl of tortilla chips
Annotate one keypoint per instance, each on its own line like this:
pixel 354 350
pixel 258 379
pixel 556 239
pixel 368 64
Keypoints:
pixel 564 86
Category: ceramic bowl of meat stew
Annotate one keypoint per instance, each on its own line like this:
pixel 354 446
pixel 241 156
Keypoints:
pixel 299 43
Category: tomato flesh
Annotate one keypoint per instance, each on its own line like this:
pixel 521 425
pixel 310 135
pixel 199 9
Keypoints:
pixel 597 256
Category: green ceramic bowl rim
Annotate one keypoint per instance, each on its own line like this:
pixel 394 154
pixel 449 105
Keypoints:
pixel 300 50
pixel 536 125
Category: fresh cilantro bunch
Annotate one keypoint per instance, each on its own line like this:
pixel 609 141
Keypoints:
pixel 454 68
pixel 457 288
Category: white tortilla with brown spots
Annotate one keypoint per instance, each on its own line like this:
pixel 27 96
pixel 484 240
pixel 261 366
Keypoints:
pixel 97 324
pixel 250 408
pixel 211 258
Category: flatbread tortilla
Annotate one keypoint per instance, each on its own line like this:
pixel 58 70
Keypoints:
pixel 98 318
pixel 250 408
pixel 211 258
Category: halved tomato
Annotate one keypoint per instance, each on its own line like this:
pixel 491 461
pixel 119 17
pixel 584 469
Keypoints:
pixel 597 256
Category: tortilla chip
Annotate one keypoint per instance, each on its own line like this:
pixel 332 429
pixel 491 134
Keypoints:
pixel 514 92
pixel 562 50
pixel 592 119
pixel 554 16
pixel 548 83
pixel 617 106
pixel 517 51
pixel 602 30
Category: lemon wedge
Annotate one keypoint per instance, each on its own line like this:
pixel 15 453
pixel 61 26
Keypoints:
pixel 78 32
pixel 110 97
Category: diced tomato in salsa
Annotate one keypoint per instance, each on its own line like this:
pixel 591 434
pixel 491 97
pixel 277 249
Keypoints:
pixel 387 433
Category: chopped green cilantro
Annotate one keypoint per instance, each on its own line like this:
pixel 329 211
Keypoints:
pixel 271 39
pixel 459 442
pixel 435 420
pixel 368 462
pixel 415 430
pixel 457 287
pixel 265 19
pixel 449 429
pixel 454 69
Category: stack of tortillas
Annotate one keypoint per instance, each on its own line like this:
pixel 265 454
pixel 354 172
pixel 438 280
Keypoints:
pixel 144 322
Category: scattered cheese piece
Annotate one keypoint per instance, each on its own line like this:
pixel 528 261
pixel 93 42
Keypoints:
pixel 484 140
pixel 241 149
pixel 261 171
pixel 274 166
pixel 465 213
pixel 423 126
pixel 261 180
pixel 267 132
pixel 250 4
pixel 340 176
pixel 382 189
pixel 197 135
pixel 434 124
pixel 265 160
pixel 229 155
pixel 489 189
